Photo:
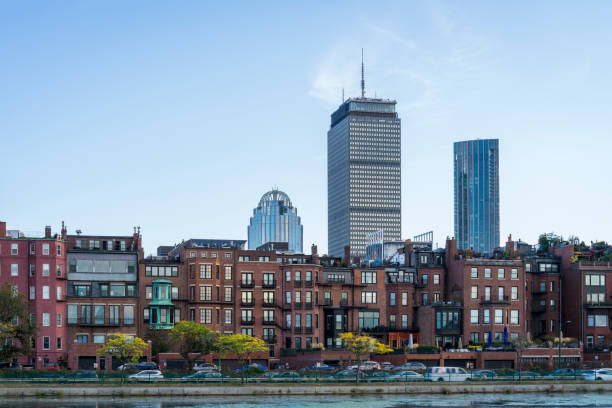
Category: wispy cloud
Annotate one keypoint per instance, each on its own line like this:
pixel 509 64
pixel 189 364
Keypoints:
pixel 393 36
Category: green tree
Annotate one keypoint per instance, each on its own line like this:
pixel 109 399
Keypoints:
pixel 160 343
pixel 360 343
pixel 16 329
pixel 193 340
pixel 243 346
pixel 547 240
pixel 125 348
pixel 222 344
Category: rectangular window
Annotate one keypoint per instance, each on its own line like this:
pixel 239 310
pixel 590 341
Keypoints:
pixel 205 271
pixel 474 316
pixel 59 343
pixel 59 320
pixel 14 269
pixel 227 293
pixel 368 277
pixel 227 316
pixel 288 298
pixel 32 292
pixel 368 297
pixel 288 320
pixel 515 293
pixel 59 271
pixel 474 273
pixel 59 292
pixel 392 299
pixel 46 319
pixel 368 319
pixel 404 321
pixel 72 314
pixel 499 316
pixel 206 316
pixel 474 292
pixel 500 293
pixel 486 316
pixel 14 249
pixel 487 273
pixel 45 249
pixel 148 292
pixel 404 298
pixel 205 292
pixel 227 274
pixel 514 274
pixel 46 343
pixel 487 294
pixel 436 279
pixel 128 314
pixel 501 273
pixel 32 269
pixel 287 276
pixel 45 292
pixel 45 270
pixel 99 338
pixel 552 286
pixel 514 317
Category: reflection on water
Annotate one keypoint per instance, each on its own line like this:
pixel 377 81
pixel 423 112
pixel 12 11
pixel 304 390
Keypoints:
pixel 341 401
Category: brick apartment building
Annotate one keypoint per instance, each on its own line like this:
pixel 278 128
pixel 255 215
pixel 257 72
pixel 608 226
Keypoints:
pixel 36 267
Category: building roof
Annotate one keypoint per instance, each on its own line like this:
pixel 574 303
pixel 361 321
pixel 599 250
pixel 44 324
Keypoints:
pixel 214 243
pixel 275 195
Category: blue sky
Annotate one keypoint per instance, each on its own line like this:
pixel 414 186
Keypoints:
pixel 178 116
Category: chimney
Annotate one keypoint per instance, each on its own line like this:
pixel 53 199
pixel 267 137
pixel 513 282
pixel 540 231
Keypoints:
pixel 2 229
pixel 314 254
pixel 347 255
pixel 47 231
pixel 64 231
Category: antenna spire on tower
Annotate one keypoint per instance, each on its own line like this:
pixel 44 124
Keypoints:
pixel 362 77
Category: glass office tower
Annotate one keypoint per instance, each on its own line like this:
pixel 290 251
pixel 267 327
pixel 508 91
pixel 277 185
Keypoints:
pixel 275 220
pixel 363 174
pixel 476 178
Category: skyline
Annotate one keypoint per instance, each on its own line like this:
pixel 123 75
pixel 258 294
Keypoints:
pixel 117 115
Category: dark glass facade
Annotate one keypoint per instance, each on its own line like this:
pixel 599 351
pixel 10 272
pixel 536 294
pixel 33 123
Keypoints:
pixel 476 181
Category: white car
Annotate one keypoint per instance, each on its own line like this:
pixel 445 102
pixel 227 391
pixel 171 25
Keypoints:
pixel 446 374
pixel 600 374
pixel 205 367
pixel 146 375
pixel 365 365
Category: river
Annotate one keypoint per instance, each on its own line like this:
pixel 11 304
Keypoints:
pixel 367 401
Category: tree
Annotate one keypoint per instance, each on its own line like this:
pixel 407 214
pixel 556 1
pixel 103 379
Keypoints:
pixel 159 341
pixel 223 343
pixel 243 346
pixel 192 338
pixel 547 240
pixel 16 329
pixel 125 348
pixel 360 343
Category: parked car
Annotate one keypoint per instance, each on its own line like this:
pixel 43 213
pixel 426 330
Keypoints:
pixel 525 375
pixel 599 374
pixel 80 376
pixel 205 367
pixel 253 365
pixel 126 366
pixel 7 365
pixel 365 365
pixel 322 367
pixel 446 374
pixel 405 375
pixel 146 365
pixel 387 366
pixel 203 374
pixel 51 366
pixel 378 375
pixel 146 375
pixel 483 374
pixel 411 365
pixel 563 372
pixel 343 374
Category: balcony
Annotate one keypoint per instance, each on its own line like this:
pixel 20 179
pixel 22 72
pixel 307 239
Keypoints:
pixel 307 330
pixel 499 300
pixel 344 302
pixel 269 339
pixel 598 305
pixel 268 303
pixel 538 291
pixel 268 284
pixel 297 330
pixel 269 321
pixel 308 284
pixel 297 284
pixel 538 308
pixel 247 303
pixel 327 302
pixel 308 305
pixel 101 322
pixel 247 284
pixel 297 305
pixel 247 322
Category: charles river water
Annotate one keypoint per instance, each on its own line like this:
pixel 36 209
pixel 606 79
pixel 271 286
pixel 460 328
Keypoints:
pixel 367 401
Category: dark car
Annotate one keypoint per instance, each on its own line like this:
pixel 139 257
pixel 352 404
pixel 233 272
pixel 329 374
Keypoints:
pixel 146 365
pixel 483 374
pixel 80 376
pixel 563 372
pixel 205 376
pixel 525 375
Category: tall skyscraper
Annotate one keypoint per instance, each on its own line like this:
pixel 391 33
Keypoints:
pixel 275 219
pixel 476 178
pixel 363 173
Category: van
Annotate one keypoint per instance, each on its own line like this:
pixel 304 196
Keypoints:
pixel 446 374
